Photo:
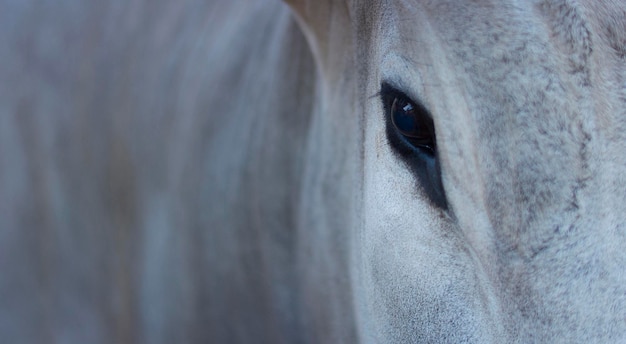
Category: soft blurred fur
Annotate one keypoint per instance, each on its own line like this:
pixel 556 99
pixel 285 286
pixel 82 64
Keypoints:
pixel 217 171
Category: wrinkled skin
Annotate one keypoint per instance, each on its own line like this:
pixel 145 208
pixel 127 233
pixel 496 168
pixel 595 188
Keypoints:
pixel 220 172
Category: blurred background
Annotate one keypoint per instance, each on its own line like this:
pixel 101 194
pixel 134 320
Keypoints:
pixel 107 112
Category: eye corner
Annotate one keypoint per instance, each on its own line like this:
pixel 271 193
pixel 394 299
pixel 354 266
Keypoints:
pixel 389 92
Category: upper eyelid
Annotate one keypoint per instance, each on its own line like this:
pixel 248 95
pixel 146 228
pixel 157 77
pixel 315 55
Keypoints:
pixel 387 91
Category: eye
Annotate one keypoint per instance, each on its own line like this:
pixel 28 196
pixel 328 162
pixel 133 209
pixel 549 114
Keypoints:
pixel 411 134
pixel 413 123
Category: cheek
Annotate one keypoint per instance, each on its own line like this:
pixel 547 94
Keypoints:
pixel 414 275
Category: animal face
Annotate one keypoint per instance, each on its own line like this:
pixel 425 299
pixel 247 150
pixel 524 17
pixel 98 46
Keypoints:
pixel 321 171
pixel 484 208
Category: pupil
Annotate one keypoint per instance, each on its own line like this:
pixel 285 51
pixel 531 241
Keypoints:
pixel 402 115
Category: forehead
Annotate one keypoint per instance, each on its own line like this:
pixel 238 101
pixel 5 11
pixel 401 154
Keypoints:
pixel 484 65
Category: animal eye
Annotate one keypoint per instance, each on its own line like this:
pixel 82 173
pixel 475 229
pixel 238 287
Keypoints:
pixel 413 123
pixel 411 133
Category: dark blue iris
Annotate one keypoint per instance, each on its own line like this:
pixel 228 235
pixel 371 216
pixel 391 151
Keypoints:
pixel 413 123
pixel 403 117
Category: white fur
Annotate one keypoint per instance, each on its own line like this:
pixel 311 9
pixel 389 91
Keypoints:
pixel 219 172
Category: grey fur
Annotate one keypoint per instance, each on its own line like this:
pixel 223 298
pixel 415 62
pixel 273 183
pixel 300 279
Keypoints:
pixel 218 172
